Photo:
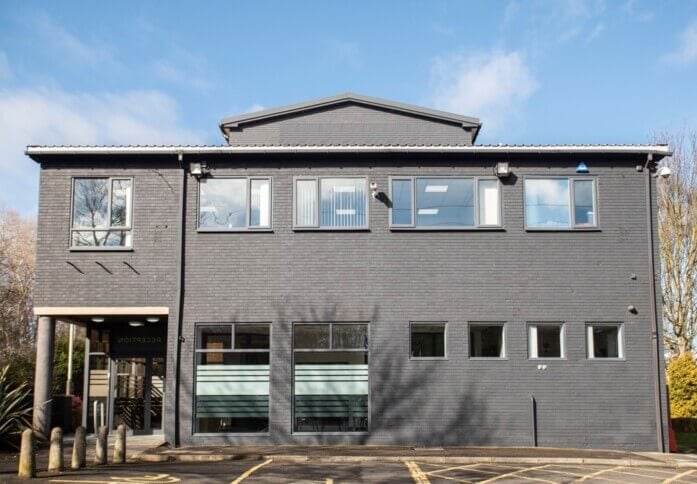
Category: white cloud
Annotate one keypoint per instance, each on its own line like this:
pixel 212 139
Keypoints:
pixel 253 108
pixel 686 51
pixel 493 87
pixel 5 70
pixel 629 7
pixel 54 116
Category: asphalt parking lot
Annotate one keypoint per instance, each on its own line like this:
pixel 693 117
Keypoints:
pixel 255 472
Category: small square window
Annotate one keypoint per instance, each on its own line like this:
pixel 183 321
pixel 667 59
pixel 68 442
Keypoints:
pixel 605 341
pixel 487 340
pixel 546 340
pixel 428 340
pixel 214 337
pixel 251 336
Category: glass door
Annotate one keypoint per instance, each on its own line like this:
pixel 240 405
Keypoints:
pixel 129 393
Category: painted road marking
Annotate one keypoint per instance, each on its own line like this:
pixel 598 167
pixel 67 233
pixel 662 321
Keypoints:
pixel 416 473
pixel 146 479
pixel 601 471
pixel 679 476
pixel 250 471
pixel 518 474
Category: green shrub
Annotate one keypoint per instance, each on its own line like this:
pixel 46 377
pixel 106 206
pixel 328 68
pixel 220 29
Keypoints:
pixel 15 408
pixel 682 384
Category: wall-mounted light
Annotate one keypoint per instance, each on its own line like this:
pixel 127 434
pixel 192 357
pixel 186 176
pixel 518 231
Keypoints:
pixel 97 320
pixel 374 189
pixel 581 167
pixel 198 169
pixel 502 169
pixel 136 324
pixel 152 319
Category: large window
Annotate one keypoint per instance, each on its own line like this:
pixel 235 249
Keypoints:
pixel 331 203
pixel 546 340
pixel 560 203
pixel 445 202
pixel 487 340
pixel 330 384
pixel 234 204
pixel 427 340
pixel 232 378
pixel 101 212
pixel 604 340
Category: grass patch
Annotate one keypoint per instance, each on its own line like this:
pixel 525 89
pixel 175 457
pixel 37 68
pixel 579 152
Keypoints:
pixel 687 442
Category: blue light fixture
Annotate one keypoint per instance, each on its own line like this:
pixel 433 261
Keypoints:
pixel 581 168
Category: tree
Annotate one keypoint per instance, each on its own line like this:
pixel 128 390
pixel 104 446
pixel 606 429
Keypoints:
pixel 682 384
pixel 17 262
pixel 677 230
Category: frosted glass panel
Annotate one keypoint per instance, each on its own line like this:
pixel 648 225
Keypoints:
pixel 306 203
pixel 489 202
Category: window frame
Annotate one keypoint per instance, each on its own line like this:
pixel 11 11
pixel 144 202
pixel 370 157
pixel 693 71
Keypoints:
pixel 504 332
pixel 573 227
pixel 248 205
pixel 129 228
pixel 562 340
pixel 232 349
pixel 325 350
pixel 590 344
pixel 444 324
pixel 475 182
pixel 318 183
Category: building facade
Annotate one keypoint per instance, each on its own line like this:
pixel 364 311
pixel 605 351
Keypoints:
pixel 358 271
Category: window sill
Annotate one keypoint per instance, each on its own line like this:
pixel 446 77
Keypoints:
pixel 488 358
pixel 548 358
pixel 331 229
pixel 231 434
pixel 561 229
pixel 428 358
pixel 100 249
pixel 606 359
pixel 234 231
pixel 446 229
pixel 331 433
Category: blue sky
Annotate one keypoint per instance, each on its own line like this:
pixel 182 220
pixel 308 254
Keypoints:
pixel 556 71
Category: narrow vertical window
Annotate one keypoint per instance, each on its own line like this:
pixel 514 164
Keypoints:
pixel 584 203
pixel 260 214
pixel 306 203
pixel 489 210
pixel 330 383
pixel 402 201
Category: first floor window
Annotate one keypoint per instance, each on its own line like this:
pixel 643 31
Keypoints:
pixel 546 340
pixel 232 378
pixel 330 377
pixel 427 340
pixel 487 340
pixel 101 212
pixel 234 203
pixel 333 203
pixel 445 202
pixel 560 203
pixel 604 340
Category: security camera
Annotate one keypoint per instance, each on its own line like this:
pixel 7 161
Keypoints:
pixel 664 172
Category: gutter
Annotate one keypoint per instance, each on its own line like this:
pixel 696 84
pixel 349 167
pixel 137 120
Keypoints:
pixel 180 297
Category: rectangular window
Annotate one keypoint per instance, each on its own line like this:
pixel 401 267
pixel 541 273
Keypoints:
pixel 101 212
pixel 604 341
pixel 487 340
pixel 445 202
pixel 427 340
pixel 232 378
pixel 332 203
pixel 330 377
pixel 560 203
pixel 234 204
pixel 546 340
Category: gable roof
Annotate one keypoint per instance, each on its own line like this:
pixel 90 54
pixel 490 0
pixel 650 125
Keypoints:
pixel 237 122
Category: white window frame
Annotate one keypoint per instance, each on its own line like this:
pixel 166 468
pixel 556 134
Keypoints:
pixel 318 187
pixel 532 340
pixel 504 349
pixel 444 324
pixel 572 212
pixel 590 344
pixel 109 228
pixel 248 205
pixel 475 184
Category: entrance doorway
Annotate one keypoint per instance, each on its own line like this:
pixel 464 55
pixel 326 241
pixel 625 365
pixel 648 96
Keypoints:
pixel 138 393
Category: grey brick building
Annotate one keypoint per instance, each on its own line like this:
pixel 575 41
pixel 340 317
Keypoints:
pixel 355 270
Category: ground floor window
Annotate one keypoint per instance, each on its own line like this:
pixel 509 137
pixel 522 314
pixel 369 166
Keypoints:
pixel 427 340
pixel 546 340
pixel 487 340
pixel 330 377
pixel 605 340
pixel 232 378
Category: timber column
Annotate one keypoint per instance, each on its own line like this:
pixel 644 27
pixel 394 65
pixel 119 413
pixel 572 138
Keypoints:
pixel 45 334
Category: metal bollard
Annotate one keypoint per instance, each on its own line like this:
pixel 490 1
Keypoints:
pixel 101 449
pixel 55 452
pixel 27 456
pixel 79 449
pixel 120 445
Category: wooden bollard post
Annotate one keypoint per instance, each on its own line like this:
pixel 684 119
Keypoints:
pixel 101 449
pixel 79 449
pixel 27 456
pixel 120 445
pixel 55 451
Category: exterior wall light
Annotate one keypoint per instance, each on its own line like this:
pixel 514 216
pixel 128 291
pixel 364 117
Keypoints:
pixel 198 169
pixel 152 320
pixel 97 320
pixel 502 169
pixel 581 168
pixel 136 324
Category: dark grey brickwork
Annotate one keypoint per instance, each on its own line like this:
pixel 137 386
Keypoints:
pixel 354 125
pixel 390 278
